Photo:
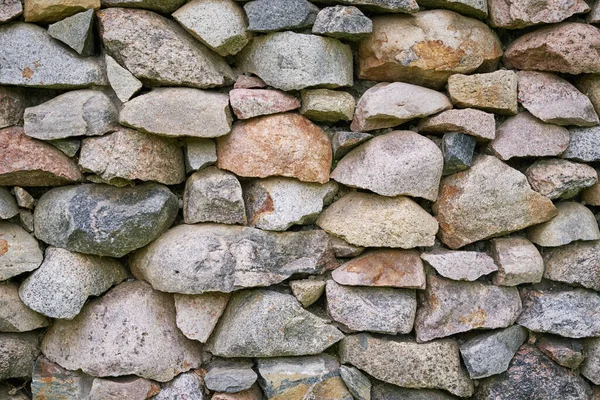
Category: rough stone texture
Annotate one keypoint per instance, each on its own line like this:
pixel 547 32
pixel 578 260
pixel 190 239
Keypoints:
pixel 426 48
pixel 494 92
pixel 212 195
pixel 124 219
pixel 573 222
pixel 460 265
pixel 391 104
pixel 179 112
pixel 307 291
pixel 457 149
pixel 263 323
pixel 370 220
pixel 250 103
pixel 75 32
pixel 24 199
pixel 278 203
pixel 324 105
pixel 230 376
pixel 254 393
pixel 219 24
pixel 591 195
pixel 280 15
pixel 19 351
pixel 68 146
pixel 515 15
pixel 193 259
pixel 186 385
pixel 51 381
pixel 357 383
pixel 308 60
pixel 249 82
pixel 591 365
pixel 510 204
pixel 576 263
pixel 518 261
pixel 199 153
pixel 19 252
pixel 15 316
pixel 555 178
pixel 11 9
pixel 490 353
pixel 471 8
pixel 385 391
pixel 121 80
pixel 584 144
pixel 176 60
pixel 566 352
pixel 54 10
pixel 161 6
pixel 526 136
pixel 282 144
pixel 343 141
pixel 13 102
pixel 8 204
pixel 64 281
pixel 399 163
pixel 118 317
pixel 197 315
pixel 468 121
pixel 26 220
pixel 589 84
pixel 401 361
pixel 343 249
pixel 131 388
pixel 342 22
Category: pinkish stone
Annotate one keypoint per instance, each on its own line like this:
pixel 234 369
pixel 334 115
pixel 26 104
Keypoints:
pixel 469 121
pixel 249 103
pixel 513 14
pixel 249 82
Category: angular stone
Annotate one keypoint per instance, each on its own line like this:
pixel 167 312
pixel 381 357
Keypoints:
pixel 591 195
pixel 458 152
pixel 357 383
pixel 15 316
pixel 68 146
pixel 19 252
pixel 31 57
pixel 11 9
pixel 294 61
pixel 161 6
pixel 307 291
pixel 460 265
pixel 219 24
pixel 55 10
pixel 370 220
pixel 230 376
pixel 589 84
pixel 187 385
pixel 8 205
pixel 326 105
pixel 591 365
pixel 278 203
pixel 494 92
pixel 250 103
pixel 104 220
pixel 131 388
pixel 26 220
pixel 518 261
pixel 121 80
pixel 520 14
pixel 380 6
pixel 426 48
pixel 381 310
pixel 342 142
pixel 51 381
pixel 403 362
pixel 573 222
pixel 471 8
pixel 14 102
pixel 212 195
pixel 342 23
pixel 193 259
pixel 249 82
pixel 469 121
pixel 254 393
pixel 197 315
pixel 397 163
pixel 566 352
pixel 584 144
pixel 556 178
pixel 490 353
pixel 343 249
pixel 263 323
pixel 390 104
pixel 280 15
pixel 576 264
pixel 176 59
pixel 282 144
pixel 19 351
pixel 385 391
pixel 313 377
pixel 76 32
pixel 24 199
pixel 568 47
pixel 593 17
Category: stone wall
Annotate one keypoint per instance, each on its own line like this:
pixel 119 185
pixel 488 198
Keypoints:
pixel 294 200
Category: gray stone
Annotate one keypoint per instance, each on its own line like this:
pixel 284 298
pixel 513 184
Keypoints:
pixel 357 383
pixel 254 393
pixel 250 103
pixel 185 386
pixel 458 152
pixel 131 388
pixel 26 220
pixel 518 261
pixel 69 147
pixel 11 9
pixel 19 252
pixel 494 92
pixel 324 105
pixel 343 249
pixel 263 323
pixel 249 82
pixel 24 199
pixel 197 315
pixel 591 365
pixel 307 291
pixel 280 15
pixel 121 80
pixel 75 32
pixel 520 14
pixel 385 391
pixel 469 121
pixel 309 61
pixel 460 265
pixel 31 57
pixel 566 352
pixel 573 222
pixel 471 8
pixel 199 153
pixel 343 141
pixel 14 101
pixel 104 220
pixel 179 112
pixel 177 59
pixel 161 6
pixel 8 204
pixel 447 307
pixel 53 382
pixel 343 23
pixel 10 392
pixel 401 361
pixel 19 351
pixel 490 353
pixel 75 113
pixel 584 144
pixel 556 178
pixel 577 264
pixel 379 6
pixel 593 17
pixel 230 376
pixel 15 316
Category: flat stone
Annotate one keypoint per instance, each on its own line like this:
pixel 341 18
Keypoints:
pixel 324 105
pixel 343 249
pixel 76 32
pixel 278 203
pixel 517 15
pixel 11 9
pixel 189 384
pixel 573 222
pixel 385 391
pixel 178 59
pixel 402 362
pixel 19 251
pixel 471 8
pixel 254 393
pixel 70 147
pixel 179 112
pixel 342 22
pixel 495 92
pixel 197 315
pixel 280 15
pixel 556 178
pixel 380 6
pixel 8 205
pixel 250 103
pixel 313 377
pixel 589 84
pixel 31 57
pixel 566 352
pixel 219 24
pixel 52 10
pixel 518 261
pixel 294 61
pixel 14 102
pixel 370 220
pixel 193 259
pixel 51 381
pixel 161 6
pixel 399 163
pixel 390 104
pixel 343 141
pixel 572 50
pixel 19 351
pixel 281 144
pixel 577 264
pixel 469 121
pixel 591 365
pixel 511 205
pixel 212 195
pixel 490 353
pixel 263 323
pixel 199 153
pixel 426 48
pixel 249 82
pixel 121 80
pixel 584 144
pixel 458 150
pixel 307 291
pixel 230 376
pixel 104 220
pixel 122 313
pixel 357 383
pixel 15 316
pixel 132 388
pixel 460 265
pixel 526 136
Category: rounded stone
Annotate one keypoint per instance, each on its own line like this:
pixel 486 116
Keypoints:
pixel 19 251
pixel 573 222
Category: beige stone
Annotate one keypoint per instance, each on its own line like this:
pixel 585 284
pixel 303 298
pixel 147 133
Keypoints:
pixel 556 178
pixel 469 121
pixel 573 222
pixel 494 92
pixel 518 261
pixel 197 315
pixel 520 14
pixel 324 105
pixel 55 10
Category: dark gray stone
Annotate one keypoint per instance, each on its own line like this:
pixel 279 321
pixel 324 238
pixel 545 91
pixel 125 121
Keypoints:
pixel 280 15
pixel 19 351
pixel 68 146
pixel 342 142
pixel 230 376
pixel 76 32
pixel 357 383
pixel 385 391
pixel 343 23
pixel 458 150
pixel 185 386
pixel 584 144
pixel 8 204
pixel 161 6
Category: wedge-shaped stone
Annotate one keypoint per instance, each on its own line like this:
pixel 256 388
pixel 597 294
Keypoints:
pixel 573 222
pixel 15 316
pixel 12 9
pixel 518 261
pixel 469 121
pixel 519 14
pixel 250 103
pixel 307 291
pixel 576 264
pixel 19 251
pixel 470 8
pixel 197 315
pixel 76 32
pixel 460 265
pixel 556 178
pixel 343 141
pixel 280 15
pixel 161 6
pixel 121 81
pixel 8 205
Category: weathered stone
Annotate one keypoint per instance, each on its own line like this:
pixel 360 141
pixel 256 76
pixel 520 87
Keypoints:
pixel 517 15
pixel 370 220
pixel 55 10
pixel 293 61
pixel 307 291
pixel 121 80
pixel 249 82
pixel 26 220
pixel 593 17
pixel 343 249
pixel 490 353
pixel 576 263
pixel 161 6
pixel 566 352
pixel 187 385
pixel 584 144
pixel 193 259
pixel 15 316
pixel 342 23
pixel 589 84
pixel 281 144
pixel 343 141
pixel 569 47
pixel 19 351
pixel 24 199
pixel 591 195
pixel 460 265
pixel 176 59
pixel 11 9
pixel 8 204
pixel 212 195
pixel 263 323
pixel 278 203
pixel 13 102
pixel 426 48
pixel 591 365
pixel 391 104
pixel 131 388
pixel 555 178
pixel 70 147
pixel 31 57
pixel 403 362
pixel 518 261
pixel 104 220
pixel 573 222
pixel 254 393
pixel 357 383
pixel 314 377
pixel 326 105
pixel 385 391
pixel 230 376
pixel 197 315
pixel 19 252
pixel 219 24
pixel 280 15
pixel 510 204
pixel 250 103
pixel 75 32
pixel 470 8
pixel 494 92
pixel 51 381
pixel 469 121
pixel 458 150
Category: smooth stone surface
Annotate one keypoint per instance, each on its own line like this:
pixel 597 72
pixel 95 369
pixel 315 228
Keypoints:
pixel 357 383
pixel 494 92
pixel 19 251
pixel 307 291
pixel 469 121
pixel 121 80
pixel 342 22
pixel 229 376
pixel 75 32
pixel 199 153
pixel 573 222
pixel 51 381
pixel 566 352
pixel 54 10
pixel 556 178
pixel 343 141
pixel 458 150
pixel 197 315
pixel 8 204
pixel 324 105
pixel 591 365
pixel 15 316
pixel 280 15
pixel 576 264
pixel 517 15
pixel 518 261
pixel 189 384
pixel 250 103
pixel 131 388
pixel 460 265
pixel 471 8
pixel 584 144
pixel 19 351
pixel 161 6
